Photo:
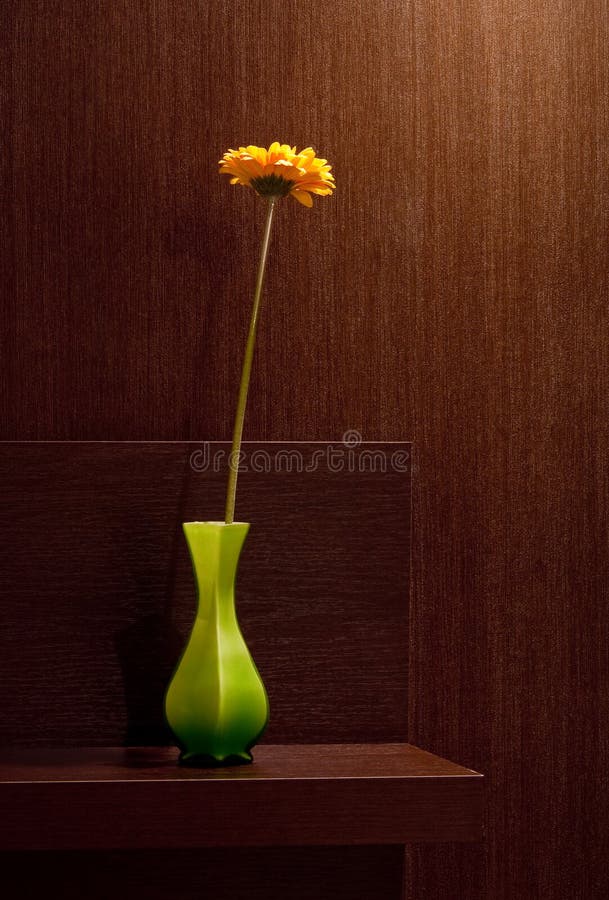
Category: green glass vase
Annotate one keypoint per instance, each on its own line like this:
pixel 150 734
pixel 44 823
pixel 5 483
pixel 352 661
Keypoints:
pixel 216 704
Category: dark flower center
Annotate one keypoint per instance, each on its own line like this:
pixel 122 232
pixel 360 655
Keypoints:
pixel 272 185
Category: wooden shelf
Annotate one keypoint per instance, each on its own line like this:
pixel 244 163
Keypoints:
pixel 320 794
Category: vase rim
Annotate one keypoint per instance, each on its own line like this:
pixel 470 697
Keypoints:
pixel 217 524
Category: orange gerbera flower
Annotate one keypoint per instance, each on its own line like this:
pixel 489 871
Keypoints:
pixel 279 171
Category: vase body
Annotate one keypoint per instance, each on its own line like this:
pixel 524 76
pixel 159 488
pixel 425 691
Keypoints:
pixel 216 704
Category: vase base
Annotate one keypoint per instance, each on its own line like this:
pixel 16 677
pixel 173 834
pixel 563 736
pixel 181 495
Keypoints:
pixel 207 761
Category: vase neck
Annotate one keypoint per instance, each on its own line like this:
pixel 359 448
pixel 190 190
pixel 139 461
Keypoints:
pixel 215 549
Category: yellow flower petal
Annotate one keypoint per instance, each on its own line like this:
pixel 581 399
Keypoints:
pixel 302 197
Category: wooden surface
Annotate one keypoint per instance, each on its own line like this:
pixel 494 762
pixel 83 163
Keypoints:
pixel 453 291
pixel 294 795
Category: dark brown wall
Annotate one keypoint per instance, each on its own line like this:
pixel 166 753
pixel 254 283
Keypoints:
pixel 98 596
pixel 454 291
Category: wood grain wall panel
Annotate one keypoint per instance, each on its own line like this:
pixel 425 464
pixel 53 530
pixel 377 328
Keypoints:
pixel 453 291
pixel 98 596
pixel 134 262
pixel 511 500
pixel 328 873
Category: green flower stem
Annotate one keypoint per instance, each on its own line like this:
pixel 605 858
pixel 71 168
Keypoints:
pixel 233 464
